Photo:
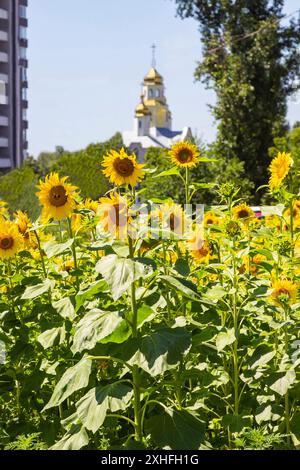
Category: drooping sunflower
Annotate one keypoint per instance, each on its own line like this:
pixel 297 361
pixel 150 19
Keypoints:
pixel 122 168
pixel 184 154
pixel 11 240
pixel 279 169
pixel 57 197
pixel 113 215
pixel 284 292
pixel 24 225
pixel 199 248
pixel 243 213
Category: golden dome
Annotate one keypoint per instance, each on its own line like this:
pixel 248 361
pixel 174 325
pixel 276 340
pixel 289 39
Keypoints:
pixel 153 77
pixel 141 109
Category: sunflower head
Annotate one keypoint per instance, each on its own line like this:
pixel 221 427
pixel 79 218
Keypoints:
pixel 24 225
pixel 113 215
pixel 284 292
pixel 279 169
pixel 171 217
pixel 243 213
pixel 57 197
pixel 3 209
pixel 199 248
pixel 184 154
pixel 122 169
pixel 211 219
pixel 11 240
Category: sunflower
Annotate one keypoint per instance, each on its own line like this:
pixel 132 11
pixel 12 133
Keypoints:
pixel 57 197
pixel 243 213
pixel 184 154
pixel 284 292
pixel 11 240
pixel 113 212
pixel 198 247
pixel 211 219
pixel 255 262
pixel 24 225
pixel 279 169
pixel 122 168
pixel 3 208
pixel 171 217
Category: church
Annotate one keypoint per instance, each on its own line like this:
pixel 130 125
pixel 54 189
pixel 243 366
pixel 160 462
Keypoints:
pixel 153 119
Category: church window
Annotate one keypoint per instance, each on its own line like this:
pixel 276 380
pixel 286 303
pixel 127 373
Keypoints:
pixel 151 93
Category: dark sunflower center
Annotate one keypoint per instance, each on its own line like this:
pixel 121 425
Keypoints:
pixel 209 221
pixel 7 243
pixel 117 215
pixel 283 293
pixel 58 196
pixel 175 222
pixel 124 166
pixel 203 251
pixel 243 214
pixel 185 156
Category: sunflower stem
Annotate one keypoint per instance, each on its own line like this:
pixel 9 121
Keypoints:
pixel 72 236
pixel 41 254
pixel 135 369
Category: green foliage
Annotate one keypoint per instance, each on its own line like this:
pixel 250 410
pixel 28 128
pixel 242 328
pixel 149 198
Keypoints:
pixel 251 60
pixel 213 172
pixel 18 189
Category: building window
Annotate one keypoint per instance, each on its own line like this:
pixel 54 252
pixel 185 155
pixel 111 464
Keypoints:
pixel 24 135
pixel 23 54
pixel 24 94
pixel 23 32
pixel 140 124
pixel 24 114
pixel 151 93
pixel 157 93
pixel 22 11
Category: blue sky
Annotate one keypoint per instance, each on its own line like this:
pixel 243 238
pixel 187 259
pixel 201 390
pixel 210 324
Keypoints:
pixel 87 60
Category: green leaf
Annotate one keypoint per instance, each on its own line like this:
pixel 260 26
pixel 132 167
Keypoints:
pixel 52 337
pixel 182 267
pixel 159 351
pixel 170 172
pixel 295 429
pixel 64 308
pixel 120 273
pixel 180 285
pixel 92 408
pixel 283 381
pixel 73 379
pixel 94 289
pixel 32 292
pixel 93 327
pixel 235 423
pixel 216 293
pixel 225 338
pixel 176 430
pixel 75 439
pixel 261 356
pixel 54 249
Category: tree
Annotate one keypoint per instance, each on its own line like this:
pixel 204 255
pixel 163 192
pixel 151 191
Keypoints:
pixel 251 60
pixel 18 189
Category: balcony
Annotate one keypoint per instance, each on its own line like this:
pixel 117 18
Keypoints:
pixel 3 77
pixel 3 121
pixel 3 36
pixel 3 142
pixel 5 163
pixel 3 57
pixel 3 14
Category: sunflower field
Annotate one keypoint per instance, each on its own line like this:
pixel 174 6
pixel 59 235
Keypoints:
pixel 132 324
